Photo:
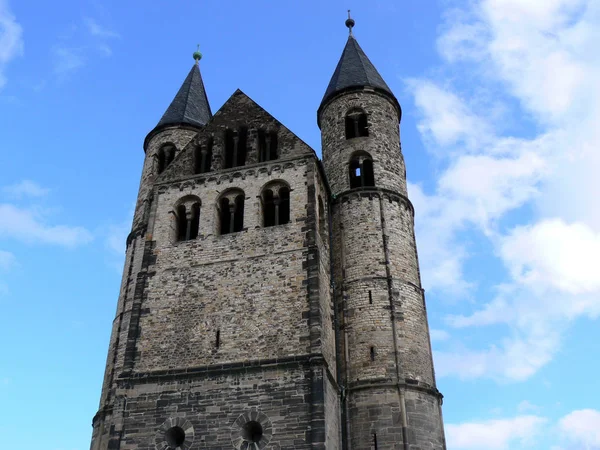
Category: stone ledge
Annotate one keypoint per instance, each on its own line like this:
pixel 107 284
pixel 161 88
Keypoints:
pixel 306 360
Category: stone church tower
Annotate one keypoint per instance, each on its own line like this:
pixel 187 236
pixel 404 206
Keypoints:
pixel 270 300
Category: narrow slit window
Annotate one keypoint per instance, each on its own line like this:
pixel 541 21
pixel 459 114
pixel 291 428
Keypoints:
pixel 218 339
pixel 203 158
pixel 374 441
pixel 238 218
pixel 194 223
pixel 267 146
pixel 225 216
pixel 181 223
pixel 372 353
pixel 370 298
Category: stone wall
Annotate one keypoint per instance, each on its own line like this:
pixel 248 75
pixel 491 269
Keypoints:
pixel 385 349
pixel 383 142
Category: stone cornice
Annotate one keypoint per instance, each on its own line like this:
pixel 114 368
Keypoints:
pixel 373 192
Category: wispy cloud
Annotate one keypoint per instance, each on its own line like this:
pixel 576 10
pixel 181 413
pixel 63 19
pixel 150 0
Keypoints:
pixel 95 29
pixel 74 46
pixel 29 226
pixel 67 59
pixel 11 38
pixel 25 188
pixel 580 429
pixel 497 434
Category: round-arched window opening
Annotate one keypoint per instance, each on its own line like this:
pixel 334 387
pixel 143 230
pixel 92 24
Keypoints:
pixel 175 437
pixel 252 432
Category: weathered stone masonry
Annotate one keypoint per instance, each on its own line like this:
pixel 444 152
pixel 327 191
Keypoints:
pixel 310 334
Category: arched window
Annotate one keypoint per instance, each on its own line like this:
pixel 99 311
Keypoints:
pixel 187 215
pixel 267 146
pixel 356 124
pixel 165 155
pixel 361 170
pixel 231 212
pixel 235 147
pixel 276 204
pixel 203 157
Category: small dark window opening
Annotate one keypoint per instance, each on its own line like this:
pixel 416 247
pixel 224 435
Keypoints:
pixel 370 298
pixel 203 158
pixel 361 173
pixel 356 125
pixel 252 432
pixel 175 437
pixel 188 225
pixel 235 147
pixel 165 156
pixel 267 146
pixel 181 223
pixel 225 216
pixel 232 215
pixel 367 173
pixel 372 352
pixel 374 441
pixel 238 218
pixel 276 209
pixel 268 208
pixel 284 205
pixel 195 221
pixel 218 339
pixel 161 161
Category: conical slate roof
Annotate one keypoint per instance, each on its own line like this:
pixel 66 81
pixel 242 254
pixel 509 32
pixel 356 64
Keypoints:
pixel 354 70
pixel 190 105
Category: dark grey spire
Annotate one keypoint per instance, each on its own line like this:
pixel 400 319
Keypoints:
pixel 354 71
pixel 190 105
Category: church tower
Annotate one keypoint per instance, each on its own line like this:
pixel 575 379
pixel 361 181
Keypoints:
pixel 270 300
pixel 389 398
pixel 223 336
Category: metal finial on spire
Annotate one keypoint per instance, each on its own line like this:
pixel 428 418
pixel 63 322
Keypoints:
pixel 197 55
pixel 350 22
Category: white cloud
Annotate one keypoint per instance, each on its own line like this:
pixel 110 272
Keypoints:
pixel 578 430
pixel 582 428
pixel 25 188
pixel 543 55
pixel 438 335
pixel 552 254
pixel 11 38
pixel 95 29
pixel 28 226
pixel 446 120
pixel 498 434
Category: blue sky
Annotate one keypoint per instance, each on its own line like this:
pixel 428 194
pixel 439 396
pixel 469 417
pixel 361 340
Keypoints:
pixel 501 103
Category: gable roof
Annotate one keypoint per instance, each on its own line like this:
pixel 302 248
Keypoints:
pixel 238 109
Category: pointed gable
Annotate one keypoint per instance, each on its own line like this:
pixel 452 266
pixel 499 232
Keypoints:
pixel 239 110
pixel 354 70
pixel 190 106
